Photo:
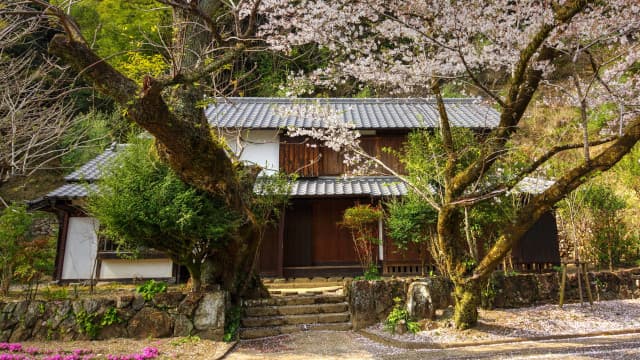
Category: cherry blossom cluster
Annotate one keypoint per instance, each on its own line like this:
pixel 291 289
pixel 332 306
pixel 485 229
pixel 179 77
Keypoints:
pixel 404 44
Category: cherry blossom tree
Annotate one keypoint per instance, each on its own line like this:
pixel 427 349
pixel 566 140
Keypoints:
pixel 414 47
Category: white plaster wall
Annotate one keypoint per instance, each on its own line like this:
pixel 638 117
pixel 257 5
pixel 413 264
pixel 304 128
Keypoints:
pixel 139 269
pixel 261 147
pixel 81 248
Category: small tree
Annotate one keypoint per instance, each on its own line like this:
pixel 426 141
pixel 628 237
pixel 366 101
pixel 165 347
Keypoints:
pixel 15 223
pixel 361 220
pixel 410 221
pixel 606 228
pixel 141 203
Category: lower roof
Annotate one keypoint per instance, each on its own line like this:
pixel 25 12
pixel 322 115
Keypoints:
pixel 326 186
pixel 375 186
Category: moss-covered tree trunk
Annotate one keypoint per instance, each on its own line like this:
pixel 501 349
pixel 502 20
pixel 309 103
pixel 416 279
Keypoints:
pixel 458 266
pixel 170 109
pixel 467 300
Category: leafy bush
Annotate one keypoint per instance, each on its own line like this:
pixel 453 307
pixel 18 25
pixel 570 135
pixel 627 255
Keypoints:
pixel 110 317
pixel 142 203
pixel 400 316
pixel 87 323
pixel 593 220
pixel 15 223
pixel 608 231
pixel 149 289
pixel 362 220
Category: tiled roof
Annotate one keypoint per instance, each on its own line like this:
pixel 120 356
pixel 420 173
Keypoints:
pixel 261 113
pixel 92 170
pixel 72 191
pixel 339 186
pixel 376 186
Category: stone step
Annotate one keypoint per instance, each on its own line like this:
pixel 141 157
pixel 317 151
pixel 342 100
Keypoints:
pixel 260 332
pixel 296 300
pixel 263 321
pixel 328 290
pixel 298 285
pixel 297 309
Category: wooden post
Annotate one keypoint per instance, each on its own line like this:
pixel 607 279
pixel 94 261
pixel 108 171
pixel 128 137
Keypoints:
pixel 579 282
pixel 563 283
pixel 586 284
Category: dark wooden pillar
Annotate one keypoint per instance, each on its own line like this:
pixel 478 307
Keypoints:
pixel 280 254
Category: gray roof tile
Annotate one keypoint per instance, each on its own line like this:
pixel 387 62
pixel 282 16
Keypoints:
pixel 261 113
pixel 72 191
pixel 92 170
pixel 338 186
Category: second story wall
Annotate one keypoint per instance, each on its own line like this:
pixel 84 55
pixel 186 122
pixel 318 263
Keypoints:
pixel 309 159
pixel 259 147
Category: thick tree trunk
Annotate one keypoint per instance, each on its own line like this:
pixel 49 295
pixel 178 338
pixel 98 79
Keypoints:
pixel 230 268
pixel 467 298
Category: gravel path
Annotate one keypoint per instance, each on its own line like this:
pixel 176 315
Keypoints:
pixel 539 321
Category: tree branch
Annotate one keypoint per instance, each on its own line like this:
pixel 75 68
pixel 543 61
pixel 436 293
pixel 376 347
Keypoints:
pixel 541 203
pixel 502 188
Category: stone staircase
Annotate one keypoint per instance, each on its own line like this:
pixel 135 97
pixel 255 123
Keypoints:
pixel 287 314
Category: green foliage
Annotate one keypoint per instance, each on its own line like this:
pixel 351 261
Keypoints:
pixel 150 288
pixel 141 203
pixel 361 216
pixel 362 220
pixel 121 29
pixel 15 223
pixel 400 316
pixel 628 169
pixel 87 323
pixel 607 235
pixel 372 273
pixel 110 317
pixel 233 317
pixel 59 293
pixel 191 339
pixel 410 220
pixel 96 130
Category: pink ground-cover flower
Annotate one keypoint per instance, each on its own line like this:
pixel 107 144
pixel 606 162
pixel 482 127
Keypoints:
pixel 13 347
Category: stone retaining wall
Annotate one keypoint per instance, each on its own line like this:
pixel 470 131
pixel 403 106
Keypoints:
pixel 521 290
pixel 130 316
pixel 371 301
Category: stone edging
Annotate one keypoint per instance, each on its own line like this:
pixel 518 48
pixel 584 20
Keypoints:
pixel 411 345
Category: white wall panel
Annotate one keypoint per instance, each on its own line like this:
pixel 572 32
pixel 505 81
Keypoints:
pixel 261 147
pixel 80 250
pixel 135 269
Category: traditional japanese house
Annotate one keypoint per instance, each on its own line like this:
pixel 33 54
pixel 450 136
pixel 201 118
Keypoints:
pixel 309 240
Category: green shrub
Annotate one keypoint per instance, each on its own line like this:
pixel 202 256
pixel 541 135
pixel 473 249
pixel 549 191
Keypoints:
pixel 400 315
pixel 110 317
pixel 362 220
pixel 87 324
pixel 150 288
